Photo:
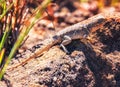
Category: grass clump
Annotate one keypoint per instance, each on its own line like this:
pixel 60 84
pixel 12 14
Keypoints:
pixel 15 24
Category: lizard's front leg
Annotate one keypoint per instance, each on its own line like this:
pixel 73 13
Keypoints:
pixel 66 40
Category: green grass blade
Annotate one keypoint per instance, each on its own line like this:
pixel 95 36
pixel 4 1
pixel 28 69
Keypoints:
pixel 5 11
pixel 5 36
pixel 2 52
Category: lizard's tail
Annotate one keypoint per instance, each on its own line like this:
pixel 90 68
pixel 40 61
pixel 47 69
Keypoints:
pixel 47 46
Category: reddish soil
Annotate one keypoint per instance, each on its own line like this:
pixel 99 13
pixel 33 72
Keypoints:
pixel 82 67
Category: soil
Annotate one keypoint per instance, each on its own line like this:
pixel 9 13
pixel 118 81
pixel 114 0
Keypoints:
pixel 83 66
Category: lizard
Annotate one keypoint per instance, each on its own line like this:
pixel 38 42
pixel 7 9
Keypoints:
pixel 80 31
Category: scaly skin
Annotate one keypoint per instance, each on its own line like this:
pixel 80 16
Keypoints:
pixel 80 31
